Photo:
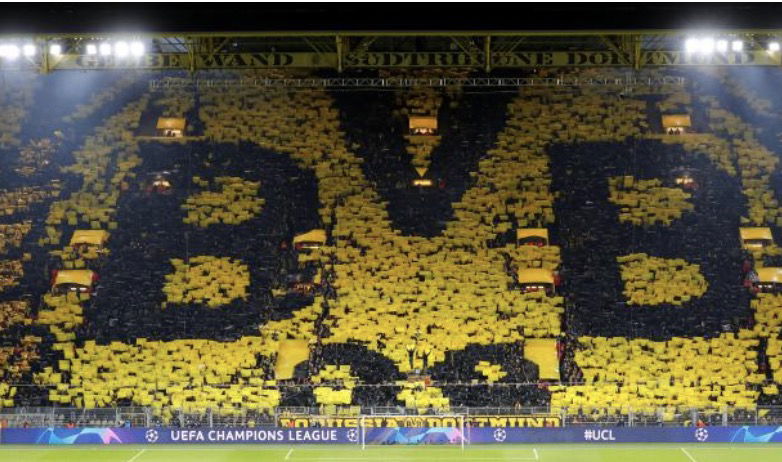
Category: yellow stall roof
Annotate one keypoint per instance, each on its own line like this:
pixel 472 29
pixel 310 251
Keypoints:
pixel 770 274
pixel 171 123
pixel 423 122
pixel 316 235
pixel 676 120
pixel 80 277
pixel 535 276
pixel 89 236
pixel 756 234
pixel 531 232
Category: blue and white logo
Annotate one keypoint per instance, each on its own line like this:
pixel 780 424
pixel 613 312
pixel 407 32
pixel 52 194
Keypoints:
pixel 500 435
pixel 353 435
pixel 701 434
pixel 603 434
pixel 151 435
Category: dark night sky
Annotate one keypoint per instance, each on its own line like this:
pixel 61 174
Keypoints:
pixel 183 17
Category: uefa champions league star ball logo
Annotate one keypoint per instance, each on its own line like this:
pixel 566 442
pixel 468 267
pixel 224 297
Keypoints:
pixel 151 435
pixel 499 435
pixel 353 435
pixel 701 434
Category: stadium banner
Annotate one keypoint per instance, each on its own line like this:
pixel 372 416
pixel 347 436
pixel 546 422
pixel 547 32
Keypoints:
pixel 519 59
pixel 391 435
pixel 165 435
pixel 162 61
pixel 521 421
pixel 648 58
pixel 574 435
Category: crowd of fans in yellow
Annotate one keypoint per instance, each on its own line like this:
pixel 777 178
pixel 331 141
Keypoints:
pixel 411 299
pixel 653 281
pixel 647 202
pixel 236 201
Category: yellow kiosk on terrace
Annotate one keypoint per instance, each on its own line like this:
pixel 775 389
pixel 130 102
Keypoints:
pixel 421 125
pixel 310 240
pixel 769 279
pixel 676 124
pixel 171 127
pixel 535 280
pixel 90 243
pixel 422 130
pixel 532 236
pixel 756 238
pixel 80 281
pixel 89 237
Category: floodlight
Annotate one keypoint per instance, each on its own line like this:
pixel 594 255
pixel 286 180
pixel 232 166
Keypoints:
pixel 737 45
pixel 92 49
pixel 28 50
pixel 773 47
pixel 121 49
pixel 105 49
pixel 722 46
pixel 55 49
pixel 137 49
pixel 692 45
pixel 707 45
pixel 10 52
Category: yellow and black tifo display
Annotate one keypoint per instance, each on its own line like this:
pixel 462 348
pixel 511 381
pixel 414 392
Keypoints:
pixel 209 280
pixel 235 203
pixel 294 257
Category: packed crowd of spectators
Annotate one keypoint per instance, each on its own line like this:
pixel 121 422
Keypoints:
pixel 415 282
pixel 35 144
pixel 592 239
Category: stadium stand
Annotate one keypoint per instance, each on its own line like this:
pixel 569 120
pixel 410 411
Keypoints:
pixel 568 250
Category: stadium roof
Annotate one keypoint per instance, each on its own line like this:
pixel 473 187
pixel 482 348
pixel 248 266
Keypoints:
pixel 211 17
pixel 341 37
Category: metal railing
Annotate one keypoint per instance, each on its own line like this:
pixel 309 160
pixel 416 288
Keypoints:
pixel 391 82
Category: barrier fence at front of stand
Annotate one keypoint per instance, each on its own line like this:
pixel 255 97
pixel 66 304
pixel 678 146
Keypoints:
pixel 386 436
pixel 341 416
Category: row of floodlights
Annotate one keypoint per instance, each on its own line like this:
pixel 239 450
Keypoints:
pixel 707 45
pixel 12 52
pixel 120 49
